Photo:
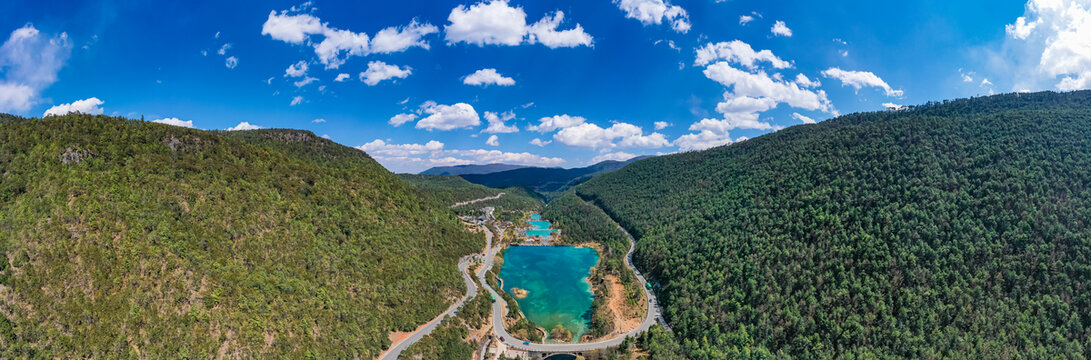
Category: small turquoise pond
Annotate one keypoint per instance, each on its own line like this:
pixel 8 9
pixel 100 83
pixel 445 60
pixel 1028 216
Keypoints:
pixel 539 227
pixel 555 278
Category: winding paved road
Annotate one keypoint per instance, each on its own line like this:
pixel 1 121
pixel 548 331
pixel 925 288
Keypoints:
pixel 467 202
pixel 471 289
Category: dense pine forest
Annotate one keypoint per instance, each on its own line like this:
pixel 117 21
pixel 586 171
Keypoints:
pixel 949 230
pixel 125 238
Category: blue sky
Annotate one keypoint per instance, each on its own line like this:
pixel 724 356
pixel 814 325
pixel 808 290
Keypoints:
pixel 590 80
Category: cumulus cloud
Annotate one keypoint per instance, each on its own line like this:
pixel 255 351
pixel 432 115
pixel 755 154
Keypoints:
pixel 29 62
pixel 318 121
pixel 701 140
pixel 231 62
pixel 377 71
pixel 551 123
pixel 497 23
pixel 656 12
pixel 244 126
pixel 175 122
pixel 894 107
pixel 539 142
pixel 400 119
pixel 806 82
pixel 493 141
pixel 761 85
pixel 485 77
pixel 803 118
pixel 660 125
pixel 860 79
pixel 92 106
pixel 781 29
pixel 616 156
pixel 341 77
pixel 617 135
pixel 749 91
pixel 334 46
pixel 1052 37
pixel 498 123
pixel 738 52
pixel 417 157
pixel 296 70
pixel 448 117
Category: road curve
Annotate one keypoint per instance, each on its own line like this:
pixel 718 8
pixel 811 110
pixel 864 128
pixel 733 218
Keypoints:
pixel 498 312
pixel 471 289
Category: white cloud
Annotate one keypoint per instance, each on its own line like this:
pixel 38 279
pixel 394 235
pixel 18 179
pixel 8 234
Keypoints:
pixel 326 136
pixel 175 122
pixel 781 29
pixel 296 101
pixel 497 23
pixel 493 141
pixel 305 81
pixel 231 62
pixel 400 119
pixel 391 40
pixel 1054 44
pixel 378 71
pixel 860 79
pixel 341 77
pixel 1021 28
pixel 498 123
pixel 29 63
pixel 617 135
pixel 318 121
pixel 806 82
pixel 296 70
pixel 485 77
pixel 244 126
pixel 745 19
pixel 738 52
pixel 660 125
pixel 986 82
pixel 761 85
pixel 92 106
pixel 702 140
pixel 616 156
pixel 539 142
pixel 417 157
pixel 894 107
pixel 448 117
pixel 337 45
pixel 967 78
pixel 803 118
pixel 550 123
pixel 656 12
pixel 223 49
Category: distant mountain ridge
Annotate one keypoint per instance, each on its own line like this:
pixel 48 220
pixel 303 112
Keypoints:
pixel 546 180
pixel 471 169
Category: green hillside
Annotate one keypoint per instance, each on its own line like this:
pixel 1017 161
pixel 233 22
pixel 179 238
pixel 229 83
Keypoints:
pixel 127 239
pixel 451 189
pixel 951 230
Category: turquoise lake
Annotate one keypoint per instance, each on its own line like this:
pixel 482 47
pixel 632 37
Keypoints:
pixel 555 278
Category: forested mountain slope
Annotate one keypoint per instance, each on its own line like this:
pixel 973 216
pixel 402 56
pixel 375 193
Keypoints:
pixel 124 238
pixel 950 230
